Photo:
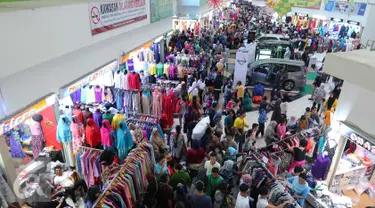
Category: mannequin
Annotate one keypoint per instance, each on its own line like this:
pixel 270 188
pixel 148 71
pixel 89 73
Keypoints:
pixel 134 81
pixel 86 115
pixel 92 134
pixel 77 129
pixel 168 106
pixel 156 102
pixel 64 136
pixel 97 117
pixel 107 95
pixel 77 112
pixel 118 79
pixel 107 135
pixel 90 95
pixel 146 100
pixel 116 120
pixel 37 136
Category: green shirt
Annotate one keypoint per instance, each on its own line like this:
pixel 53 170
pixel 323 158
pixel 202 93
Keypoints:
pixel 108 116
pixel 213 184
pixel 180 177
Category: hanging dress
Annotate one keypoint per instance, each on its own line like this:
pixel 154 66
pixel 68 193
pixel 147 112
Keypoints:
pixel 146 95
pixel 16 148
pixel 37 138
pixel 77 129
pixel 156 105
pixel 168 107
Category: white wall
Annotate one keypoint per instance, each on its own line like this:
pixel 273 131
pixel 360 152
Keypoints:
pixel 30 37
pixel 368 32
pixel 22 88
pixel 356 105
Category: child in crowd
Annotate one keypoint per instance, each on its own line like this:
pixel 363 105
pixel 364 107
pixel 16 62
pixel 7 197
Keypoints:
pixel 307 113
pixel 262 119
pixel 292 124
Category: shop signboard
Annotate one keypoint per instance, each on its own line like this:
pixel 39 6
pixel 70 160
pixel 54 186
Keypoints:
pixel 105 16
pixel 309 4
pixel 359 139
pixel 240 67
pixel 69 89
pixel 160 9
pixel 346 7
pixel 27 114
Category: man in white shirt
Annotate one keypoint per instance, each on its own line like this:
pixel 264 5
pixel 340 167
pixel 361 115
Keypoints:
pixel 263 200
pixel 243 199
pixel 62 179
pixel 211 163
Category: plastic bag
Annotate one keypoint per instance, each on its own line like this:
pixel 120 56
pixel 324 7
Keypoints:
pixel 200 128
pixel 362 186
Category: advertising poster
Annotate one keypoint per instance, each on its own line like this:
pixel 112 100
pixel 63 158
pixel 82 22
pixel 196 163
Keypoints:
pixel 310 4
pixel 349 8
pixel 160 9
pixel 105 16
pixel 240 67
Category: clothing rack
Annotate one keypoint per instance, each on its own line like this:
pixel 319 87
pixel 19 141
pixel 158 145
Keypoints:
pixel 141 114
pixel 106 189
pixel 262 165
pixel 286 139
pixel 140 120
pixel 91 149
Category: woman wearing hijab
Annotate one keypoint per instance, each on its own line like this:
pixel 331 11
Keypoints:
pixel 107 133
pixel 276 115
pixel 319 96
pixel 157 143
pixel 336 92
pixel 331 103
pixel 93 137
pixel 78 131
pixel 287 53
pixel 227 171
pixel 124 140
pixel 270 135
pixel 202 176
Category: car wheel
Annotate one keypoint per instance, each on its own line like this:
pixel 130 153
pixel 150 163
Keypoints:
pixel 289 85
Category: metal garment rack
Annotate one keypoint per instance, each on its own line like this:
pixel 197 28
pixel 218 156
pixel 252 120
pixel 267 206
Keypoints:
pixel 142 121
pixel 89 148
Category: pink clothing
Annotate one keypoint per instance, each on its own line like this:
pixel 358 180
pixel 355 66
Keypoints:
pixel 156 105
pixel 229 105
pixel 77 129
pixel 134 81
pixel 105 132
pixel 281 130
pixel 295 163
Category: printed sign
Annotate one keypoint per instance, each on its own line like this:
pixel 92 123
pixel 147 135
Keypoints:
pixel 310 4
pixel 26 114
pixel 107 16
pixel 359 140
pixel 89 78
pixel 350 8
pixel 160 9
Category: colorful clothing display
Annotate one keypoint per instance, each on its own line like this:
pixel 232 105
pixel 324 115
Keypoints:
pixel 168 107
pixel 124 140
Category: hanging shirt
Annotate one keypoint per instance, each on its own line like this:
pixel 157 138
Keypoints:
pixel 90 95
pixel 108 79
pixel 118 79
pixel 98 94
pixel 125 83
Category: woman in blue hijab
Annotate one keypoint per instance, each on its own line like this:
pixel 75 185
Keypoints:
pixel 124 140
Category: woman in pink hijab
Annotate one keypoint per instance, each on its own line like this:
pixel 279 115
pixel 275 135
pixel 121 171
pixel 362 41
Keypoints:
pixel 78 131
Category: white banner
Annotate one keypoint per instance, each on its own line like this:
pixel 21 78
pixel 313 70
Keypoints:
pixel 240 67
pixel 105 16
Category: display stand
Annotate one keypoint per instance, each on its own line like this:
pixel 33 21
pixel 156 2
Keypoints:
pixel 241 65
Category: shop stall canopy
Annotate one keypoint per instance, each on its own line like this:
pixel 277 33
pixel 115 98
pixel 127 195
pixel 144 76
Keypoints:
pixel 356 67
pixel 22 88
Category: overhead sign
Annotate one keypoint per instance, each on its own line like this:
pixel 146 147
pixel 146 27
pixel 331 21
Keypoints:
pixel 26 114
pixel 346 7
pixel 89 78
pixel 310 4
pixel 161 9
pixel 105 16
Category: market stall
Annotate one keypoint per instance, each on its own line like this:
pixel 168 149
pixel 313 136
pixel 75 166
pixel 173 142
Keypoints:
pixel 301 21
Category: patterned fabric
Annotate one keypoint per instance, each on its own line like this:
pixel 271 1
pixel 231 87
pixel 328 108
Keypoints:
pixel 16 148
pixel 37 143
pixel 283 7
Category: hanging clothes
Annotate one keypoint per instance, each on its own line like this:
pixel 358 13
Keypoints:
pixel 90 95
pixel 16 148
pixel 118 79
pixel 98 94
pixel 97 116
pixel 78 113
pixel 124 140
pixel 88 165
pixel 168 107
pixel 134 81
pixel 125 82
pixel 77 129
pixel 119 99
pixel 108 79
pixel 37 138
pixel 86 115
pixel 84 94
pixel 92 133
pixel 146 100
pixel 156 103
pixel 107 95
pixel 76 96
pixel 107 132
pixel 116 120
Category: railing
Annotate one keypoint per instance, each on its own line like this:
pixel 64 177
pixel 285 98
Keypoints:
pixel 370 45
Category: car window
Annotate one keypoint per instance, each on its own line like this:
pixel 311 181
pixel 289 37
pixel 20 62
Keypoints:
pixel 264 68
pixel 292 68
pixel 286 39
pixel 278 67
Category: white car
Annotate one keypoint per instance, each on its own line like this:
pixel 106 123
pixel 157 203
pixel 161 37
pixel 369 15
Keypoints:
pixel 272 37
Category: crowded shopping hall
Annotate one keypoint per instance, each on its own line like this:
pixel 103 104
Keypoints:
pixel 187 104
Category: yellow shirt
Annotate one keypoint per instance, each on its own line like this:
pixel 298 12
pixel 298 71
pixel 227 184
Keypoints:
pixel 116 120
pixel 327 116
pixel 240 123
pixel 240 91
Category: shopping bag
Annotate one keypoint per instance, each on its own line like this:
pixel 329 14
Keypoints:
pixel 200 128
